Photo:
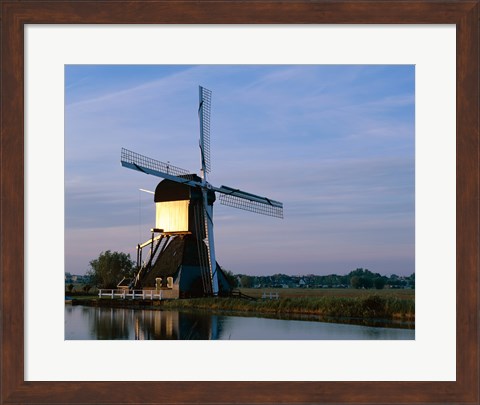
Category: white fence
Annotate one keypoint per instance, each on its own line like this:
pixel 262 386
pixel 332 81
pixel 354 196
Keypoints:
pixel 271 296
pixel 131 294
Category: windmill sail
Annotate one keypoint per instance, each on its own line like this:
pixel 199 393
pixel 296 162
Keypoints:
pixel 203 255
pixel 204 109
pixel 250 202
pixel 147 165
pixel 212 261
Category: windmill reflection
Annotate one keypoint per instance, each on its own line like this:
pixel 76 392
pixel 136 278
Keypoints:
pixel 119 323
pixel 174 325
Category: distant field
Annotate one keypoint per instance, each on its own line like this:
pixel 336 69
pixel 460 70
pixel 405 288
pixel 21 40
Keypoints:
pixel 330 292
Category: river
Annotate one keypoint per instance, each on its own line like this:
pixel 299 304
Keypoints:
pixel 97 323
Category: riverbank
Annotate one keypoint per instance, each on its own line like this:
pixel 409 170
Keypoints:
pixel 372 307
pixel 367 307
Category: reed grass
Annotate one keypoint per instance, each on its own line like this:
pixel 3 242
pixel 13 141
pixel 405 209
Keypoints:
pixel 371 306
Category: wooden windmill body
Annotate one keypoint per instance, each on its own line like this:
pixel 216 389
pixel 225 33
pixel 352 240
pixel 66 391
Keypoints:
pixel 180 258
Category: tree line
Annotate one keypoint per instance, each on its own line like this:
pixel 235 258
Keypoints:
pixel 358 278
pixel 109 268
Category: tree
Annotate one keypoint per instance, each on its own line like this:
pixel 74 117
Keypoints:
pixel 245 281
pixel 366 282
pixel 70 287
pixel 110 268
pixel 412 280
pixel 355 282
pixel 379 283
pixel 231 279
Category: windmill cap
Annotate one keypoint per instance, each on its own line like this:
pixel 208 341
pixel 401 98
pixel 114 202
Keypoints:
pixel 168 190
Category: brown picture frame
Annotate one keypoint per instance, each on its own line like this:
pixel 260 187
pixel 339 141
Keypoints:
pixel 15 14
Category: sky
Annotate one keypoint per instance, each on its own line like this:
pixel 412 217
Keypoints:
pixel 334 143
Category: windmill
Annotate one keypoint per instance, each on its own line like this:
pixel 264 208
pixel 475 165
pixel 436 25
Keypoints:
pixel 184 214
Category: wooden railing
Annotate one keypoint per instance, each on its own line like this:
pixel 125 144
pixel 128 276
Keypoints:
pixel 271 296
pixel 130 294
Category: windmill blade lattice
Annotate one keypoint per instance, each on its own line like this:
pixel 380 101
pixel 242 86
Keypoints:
pixel 250 202
pixel 204 261
pixel 147 165
pixel 204 111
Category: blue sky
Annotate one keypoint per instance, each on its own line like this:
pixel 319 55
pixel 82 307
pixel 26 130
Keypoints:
pixel 335 144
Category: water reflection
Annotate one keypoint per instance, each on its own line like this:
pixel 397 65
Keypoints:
pixel 174 325
pixel 83 322
pixel 107 324
pixel 91 323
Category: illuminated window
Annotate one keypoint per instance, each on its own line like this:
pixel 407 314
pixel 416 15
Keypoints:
pixel 172 216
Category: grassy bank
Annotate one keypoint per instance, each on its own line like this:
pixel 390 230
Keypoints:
pixel 334 303
pixel 368 306
pixel 406 294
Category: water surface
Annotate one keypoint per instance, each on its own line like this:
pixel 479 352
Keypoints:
pixel 94 323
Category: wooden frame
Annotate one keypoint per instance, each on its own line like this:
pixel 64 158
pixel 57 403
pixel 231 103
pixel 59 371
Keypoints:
pixel 465 14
